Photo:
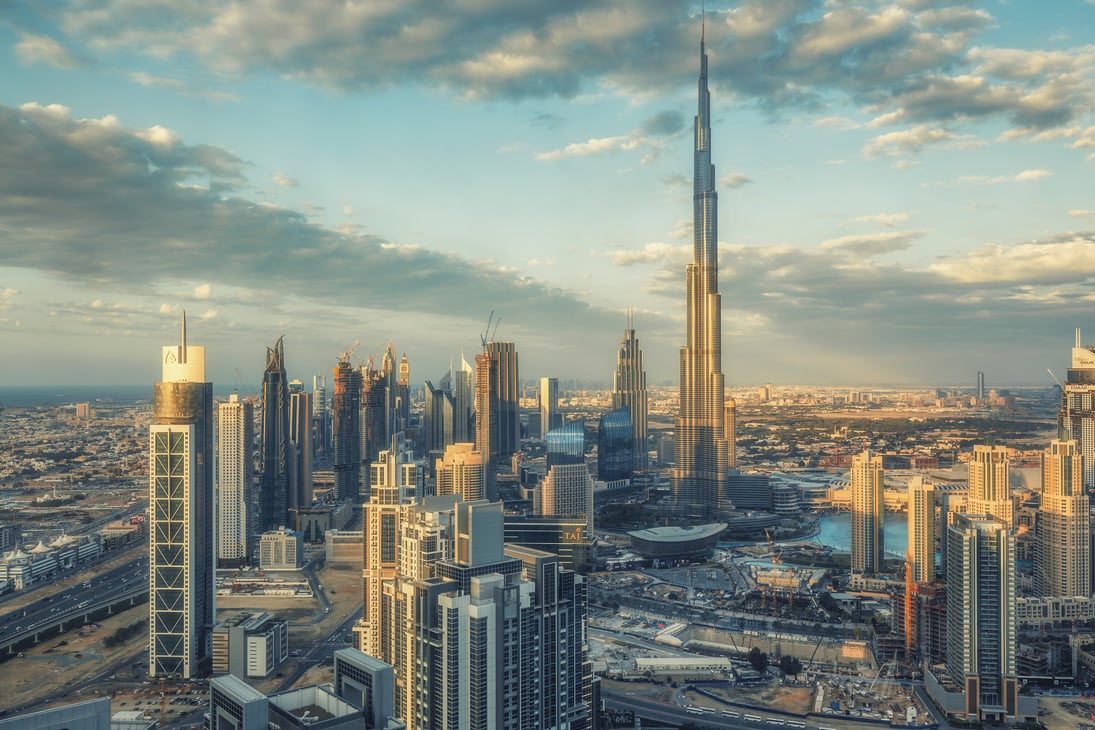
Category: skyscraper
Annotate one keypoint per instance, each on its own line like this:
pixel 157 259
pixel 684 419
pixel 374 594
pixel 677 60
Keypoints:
pixel 375 417
pixel 497 397
pixel 868 515
pixel 437 420
pixel 990 490
pixel 181 516
pixel 629 390
pixel 235 468
pixel 321 414
pixel 921 555
pixel 702 452
pixel 567 490
pixel 615 446
pixel 981 637
pixel 1062 546
pixel 463 404
pixel 403 396
pixel 1076 417
pixel 980 387
pixel 346 431
pixel 549 405
pixel 566 444
pixel 274 481
pixel 300 447
pixel 461 471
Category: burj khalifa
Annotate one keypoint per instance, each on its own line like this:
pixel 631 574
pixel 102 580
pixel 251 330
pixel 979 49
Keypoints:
pixel 702 449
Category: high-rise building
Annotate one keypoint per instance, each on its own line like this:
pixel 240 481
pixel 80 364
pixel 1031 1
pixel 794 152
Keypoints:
pixel 490 636
pixel 346 431
pixel 300 446
pixel 981 636
pixel 980 387
pixel 616 446
pixel 396 479
pixel 463 404
pixel 1062 546
pixel 460 472
pixel 376 416
pixel 702 452
pixel 629 390
pixel 181 552
pixel 990 490
pixel 403 396
pixel 235 467
pixel 566 444
pixel 567 490
pixel 437 420
pixel 921 555
pixel 321 415
pixel 274 480
pixel 868 514
pixel 497 400
pixel 1076 417
pixel 549 405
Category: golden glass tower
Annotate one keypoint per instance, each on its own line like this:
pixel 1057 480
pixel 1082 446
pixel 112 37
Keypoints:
pixel 702 451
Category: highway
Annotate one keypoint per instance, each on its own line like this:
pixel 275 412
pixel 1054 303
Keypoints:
pixel 75 604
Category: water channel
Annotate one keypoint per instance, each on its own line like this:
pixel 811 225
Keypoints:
pixel 835 530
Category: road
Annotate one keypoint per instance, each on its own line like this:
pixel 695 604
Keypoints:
pixel 75 603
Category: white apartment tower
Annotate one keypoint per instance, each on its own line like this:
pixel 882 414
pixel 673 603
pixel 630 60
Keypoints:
pixel 1062 546
pixel 235 468
pixel 868 515
pixel 1076 417
pixel 180 493
pixel 921 555
pixel 461 471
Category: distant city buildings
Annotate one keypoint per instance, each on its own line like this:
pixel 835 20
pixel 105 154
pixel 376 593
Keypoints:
pixel 497 397
pixel 181 516
pixel 300 447
pixel 549 405
pixel 868 514
pixel 235 470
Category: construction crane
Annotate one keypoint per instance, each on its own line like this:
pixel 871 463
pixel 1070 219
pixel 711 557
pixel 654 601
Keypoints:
pixel 484 338
pixel 344 356
pixel 1055 380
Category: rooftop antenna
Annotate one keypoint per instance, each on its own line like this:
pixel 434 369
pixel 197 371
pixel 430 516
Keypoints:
pixel 182 347
pixel 1079 342
pixel 703 19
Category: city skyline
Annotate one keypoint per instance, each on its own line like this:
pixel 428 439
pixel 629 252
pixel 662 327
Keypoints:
pixel 903 185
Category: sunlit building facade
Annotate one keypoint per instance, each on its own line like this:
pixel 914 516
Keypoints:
pixel 702 451
pixel 629 390
pixel 990 490
pixel 868 514
pixel 235 468
pixel 1076 417
pixel 1062 546
pixel 181 551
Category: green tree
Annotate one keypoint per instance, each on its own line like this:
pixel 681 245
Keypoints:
pixel 758 659
pixel 790 665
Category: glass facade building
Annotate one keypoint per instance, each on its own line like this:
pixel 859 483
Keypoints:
pixel 566 444
pixel 615 446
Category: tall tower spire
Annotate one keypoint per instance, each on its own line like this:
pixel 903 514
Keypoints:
pixel 702 450
pixel 182 347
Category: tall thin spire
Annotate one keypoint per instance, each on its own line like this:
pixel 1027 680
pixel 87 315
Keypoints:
pixel 702 449
pixel 182 346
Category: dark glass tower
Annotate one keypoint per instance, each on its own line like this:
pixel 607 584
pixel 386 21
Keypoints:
pixel 629 389
pixel 274 482
pixel 702 450
pixel 615 446
pixel 346 431
pixel 566 444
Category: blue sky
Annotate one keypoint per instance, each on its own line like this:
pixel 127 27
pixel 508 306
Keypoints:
pixel 905 185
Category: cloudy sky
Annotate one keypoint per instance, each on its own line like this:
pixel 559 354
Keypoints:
pixel 906 186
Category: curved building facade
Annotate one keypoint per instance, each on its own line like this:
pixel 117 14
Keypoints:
pixel 677 543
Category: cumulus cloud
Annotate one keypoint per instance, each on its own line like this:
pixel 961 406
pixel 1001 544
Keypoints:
pixel 1059 260
pixel 1024 176
pixel 32 49
pixel 909 61
pixel 181 87
pixel 734 180
pixel 1082 213
pixel 280 178
pixel 203 291
pixel 651 253
pixel 873 244
pixel 93 201
pixel 911 141
pixel 887 219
